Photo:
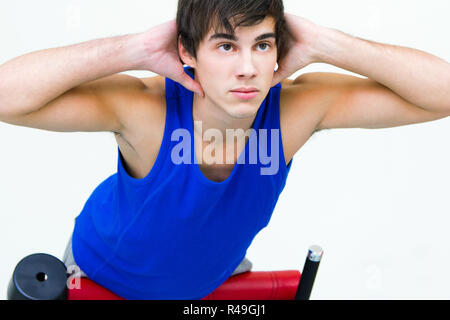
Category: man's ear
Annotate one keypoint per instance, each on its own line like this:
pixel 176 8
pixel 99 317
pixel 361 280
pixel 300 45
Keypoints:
pixel 184 55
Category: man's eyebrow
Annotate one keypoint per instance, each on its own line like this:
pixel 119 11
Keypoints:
pixel 234 38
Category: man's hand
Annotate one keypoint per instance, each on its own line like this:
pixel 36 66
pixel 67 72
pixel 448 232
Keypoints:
pixel 301 49
pixel 161 45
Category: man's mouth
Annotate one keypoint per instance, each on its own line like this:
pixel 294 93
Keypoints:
pixel 245 89
pixel 245 95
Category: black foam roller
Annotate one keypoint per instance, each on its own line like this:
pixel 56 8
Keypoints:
pixel 38 276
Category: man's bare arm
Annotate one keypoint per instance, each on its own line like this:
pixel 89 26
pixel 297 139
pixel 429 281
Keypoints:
pixel 32 80
pixel 403 85
pixel 419 77
pixel 77 88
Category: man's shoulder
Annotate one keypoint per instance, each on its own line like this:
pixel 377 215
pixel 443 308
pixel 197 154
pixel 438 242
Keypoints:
pixel 286 82
pixel 144 109
pixel 155 85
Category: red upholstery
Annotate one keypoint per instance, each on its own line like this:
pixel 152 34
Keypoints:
pixel 258 285
pixel 89 290
pixel 253 285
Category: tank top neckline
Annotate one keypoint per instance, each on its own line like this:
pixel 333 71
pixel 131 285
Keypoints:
pixel 197 169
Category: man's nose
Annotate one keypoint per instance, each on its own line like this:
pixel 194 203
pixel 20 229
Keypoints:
pixel 246 67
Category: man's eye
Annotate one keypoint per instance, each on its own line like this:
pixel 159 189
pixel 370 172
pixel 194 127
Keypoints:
pixel 225 44
pixel 267 46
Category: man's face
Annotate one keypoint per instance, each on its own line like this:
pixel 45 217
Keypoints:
pixel 249 60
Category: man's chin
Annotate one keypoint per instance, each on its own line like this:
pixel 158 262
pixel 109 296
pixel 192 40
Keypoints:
pixel 242 112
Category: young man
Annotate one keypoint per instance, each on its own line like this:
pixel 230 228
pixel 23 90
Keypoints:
pixel 176 220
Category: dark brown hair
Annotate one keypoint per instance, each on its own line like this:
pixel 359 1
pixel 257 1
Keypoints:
pixel 196 17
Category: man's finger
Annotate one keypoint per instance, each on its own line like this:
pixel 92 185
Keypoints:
pixel 192 85
pixel 277 77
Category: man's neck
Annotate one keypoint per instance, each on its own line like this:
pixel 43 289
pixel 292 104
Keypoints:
pixel 213 117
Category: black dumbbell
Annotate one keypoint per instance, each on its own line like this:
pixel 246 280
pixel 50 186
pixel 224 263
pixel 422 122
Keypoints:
pixel 38 276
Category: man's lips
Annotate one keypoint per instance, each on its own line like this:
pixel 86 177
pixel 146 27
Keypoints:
pixel 245 95
pixel 245 90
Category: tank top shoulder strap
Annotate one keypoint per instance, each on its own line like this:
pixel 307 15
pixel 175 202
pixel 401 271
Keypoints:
pixel 171 89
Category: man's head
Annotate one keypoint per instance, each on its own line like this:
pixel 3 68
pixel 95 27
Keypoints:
pixel 195 18
pixel 242 58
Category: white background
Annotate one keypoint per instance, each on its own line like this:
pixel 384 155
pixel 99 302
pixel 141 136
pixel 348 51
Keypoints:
pixel 377 201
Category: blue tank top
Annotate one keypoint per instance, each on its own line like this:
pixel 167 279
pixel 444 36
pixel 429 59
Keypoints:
pixel 176 234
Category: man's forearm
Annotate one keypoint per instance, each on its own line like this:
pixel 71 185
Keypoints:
pixel 417 76
pixel 30 81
